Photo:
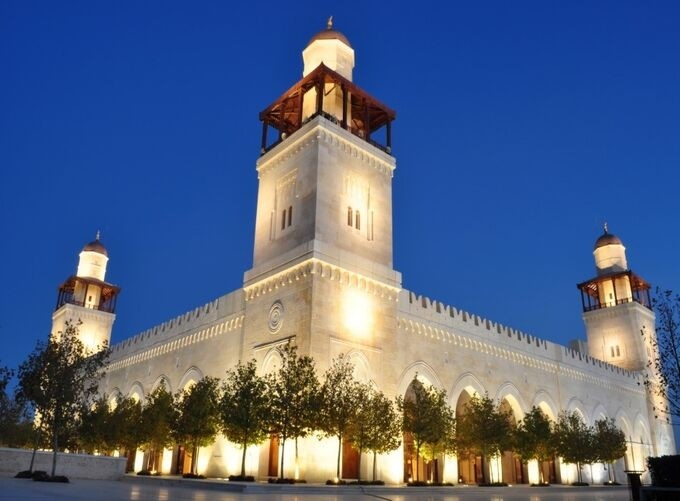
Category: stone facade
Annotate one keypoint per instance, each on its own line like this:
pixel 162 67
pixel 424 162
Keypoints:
pixel 323 276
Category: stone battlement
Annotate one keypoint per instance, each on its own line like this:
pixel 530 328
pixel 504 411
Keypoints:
pixel 186 322
pixel 455 321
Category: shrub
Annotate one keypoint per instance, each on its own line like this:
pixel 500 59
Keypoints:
pixel 283 481
pixel 241 478
pixel 194 476
pixel 665 470
pixel 24 474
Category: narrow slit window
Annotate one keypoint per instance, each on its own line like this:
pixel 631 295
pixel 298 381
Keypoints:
pixel 618 352
pixel 349 216
pixel 357 220
pixel 290 215
pixel 283 220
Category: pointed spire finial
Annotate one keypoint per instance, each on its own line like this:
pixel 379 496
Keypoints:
pixel 329 25
pixel 98 234
pixel 606 230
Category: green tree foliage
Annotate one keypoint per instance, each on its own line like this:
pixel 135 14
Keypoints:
pixel 96 428
pixel 339 398
pixel 156 425
pixel 533 438
pixel 484 430
pixel 574 441
pixel 57 379
pixel 126 418
pixel 293 392
pixel 244 408
pixel 663 377
pixel 377 427
pixel 15 429
pixel 197 417
pixel 430 421
pixel 609 443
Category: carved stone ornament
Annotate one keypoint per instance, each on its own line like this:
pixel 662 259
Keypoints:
pixel 275 317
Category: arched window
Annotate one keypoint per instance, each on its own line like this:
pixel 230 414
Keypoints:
pixel 357 220
pixel 290 215
pixel 349 216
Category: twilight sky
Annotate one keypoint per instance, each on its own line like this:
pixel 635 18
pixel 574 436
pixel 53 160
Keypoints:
pixel 521 127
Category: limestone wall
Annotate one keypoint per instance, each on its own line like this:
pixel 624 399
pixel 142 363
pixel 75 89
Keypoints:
pixel 13 461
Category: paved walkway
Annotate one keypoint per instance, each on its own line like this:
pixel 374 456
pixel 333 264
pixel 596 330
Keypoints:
pixel 168 489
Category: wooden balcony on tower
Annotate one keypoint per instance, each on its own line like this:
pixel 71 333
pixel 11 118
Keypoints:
pixel 88 293
pixel 360 113
pixel 606 291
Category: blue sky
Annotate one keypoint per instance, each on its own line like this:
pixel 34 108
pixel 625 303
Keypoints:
pixel 521 127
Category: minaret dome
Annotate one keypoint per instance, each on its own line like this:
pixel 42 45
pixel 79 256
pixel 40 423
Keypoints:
pixel 610 254
pixel 93 260
pixel 331 48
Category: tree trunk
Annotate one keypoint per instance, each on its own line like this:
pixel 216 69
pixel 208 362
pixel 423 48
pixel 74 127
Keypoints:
pixel 35 450
pixel 483 469
pixel 55 444
pixel 613 471
pixel 359 466
pixel 374 457
pixel 243 461
pixel 540 472
pixel 283 454
pixel 194 459
pixel 337 469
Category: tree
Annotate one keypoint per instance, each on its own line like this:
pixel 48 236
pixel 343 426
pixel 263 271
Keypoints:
pixel 197 416
pixel 574 441
pixel 156 422
pixel 339 398
pixel 533 439
pixel 244 408
pixel 483 429
pixel 293 391
pixel 96 428
pixel 377 427
pixel 57 378
pixel 663 376
pixel 127 416
pixel 429 420
pixel 15 429
pixel 609 444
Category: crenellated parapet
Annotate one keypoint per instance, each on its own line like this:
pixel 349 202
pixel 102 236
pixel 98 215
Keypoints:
pixel 220 316
pixel 421 316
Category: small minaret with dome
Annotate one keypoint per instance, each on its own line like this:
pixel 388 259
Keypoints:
pixel 86 298
pixel 617 307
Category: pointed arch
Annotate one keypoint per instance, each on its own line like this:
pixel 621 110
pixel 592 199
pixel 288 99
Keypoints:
pixel 509 392
pixel 162 380
pixel 271 361
pixel 599 412
pixel 137 392
pixel 192 376
pixel 423 371
pixel 576 405
pixel 545 402
pixel 362 367
pixel 466 382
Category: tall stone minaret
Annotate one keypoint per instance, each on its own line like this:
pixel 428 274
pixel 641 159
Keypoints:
pixel 322 261
pixel 621 329
pixel 616 308
pixel 87 299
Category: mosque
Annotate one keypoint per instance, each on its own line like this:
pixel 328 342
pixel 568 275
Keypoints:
pixel 323 277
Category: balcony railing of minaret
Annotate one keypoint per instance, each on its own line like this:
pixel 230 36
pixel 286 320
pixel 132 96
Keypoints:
pixel 360 114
